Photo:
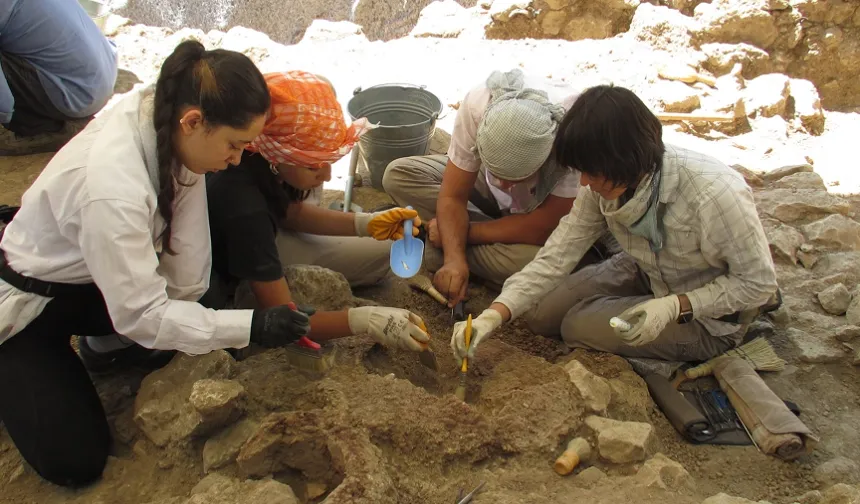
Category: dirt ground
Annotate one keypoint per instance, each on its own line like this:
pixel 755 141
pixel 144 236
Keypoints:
pixel 423 445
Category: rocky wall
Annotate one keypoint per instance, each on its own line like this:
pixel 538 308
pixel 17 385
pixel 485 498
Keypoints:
pixel 818 40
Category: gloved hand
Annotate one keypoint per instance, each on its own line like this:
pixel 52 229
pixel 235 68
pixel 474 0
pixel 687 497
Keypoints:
pixel 386 225
pixel 279 326
pixel 649 319
pixel 392 327
pixel 487 322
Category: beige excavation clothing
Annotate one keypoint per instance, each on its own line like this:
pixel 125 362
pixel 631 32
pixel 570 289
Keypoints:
pixel 579 309
pixel 714 250
pixel 416 181
pixel 362 260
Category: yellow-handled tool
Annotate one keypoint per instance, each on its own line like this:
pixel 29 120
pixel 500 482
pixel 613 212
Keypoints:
pixel 460 391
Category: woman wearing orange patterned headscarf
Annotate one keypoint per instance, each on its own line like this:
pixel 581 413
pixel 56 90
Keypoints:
pixel 263 216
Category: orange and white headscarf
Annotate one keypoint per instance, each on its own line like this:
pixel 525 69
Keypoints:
pixel 306 126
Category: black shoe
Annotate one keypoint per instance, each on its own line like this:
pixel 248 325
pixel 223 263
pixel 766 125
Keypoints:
pixel 12 144
pixel 134 356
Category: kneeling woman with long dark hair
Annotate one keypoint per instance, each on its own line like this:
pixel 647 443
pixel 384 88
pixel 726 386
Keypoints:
pixel 113 237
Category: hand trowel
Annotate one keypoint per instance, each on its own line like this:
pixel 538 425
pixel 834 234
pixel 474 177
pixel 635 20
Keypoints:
pixel 407 253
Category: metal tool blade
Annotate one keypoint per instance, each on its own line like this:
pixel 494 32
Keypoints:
pixel 428 360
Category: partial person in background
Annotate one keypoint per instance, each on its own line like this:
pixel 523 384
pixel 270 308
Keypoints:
pixel 695 269
pixel 493 201
pixel 58 70
pixel 262 219
pixel 113 239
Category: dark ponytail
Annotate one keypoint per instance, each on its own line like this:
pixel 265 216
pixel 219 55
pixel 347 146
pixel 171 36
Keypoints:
pixel 225 85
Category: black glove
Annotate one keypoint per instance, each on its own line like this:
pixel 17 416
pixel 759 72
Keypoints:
pixel 279 326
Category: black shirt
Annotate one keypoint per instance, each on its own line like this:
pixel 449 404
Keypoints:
pixel 243 228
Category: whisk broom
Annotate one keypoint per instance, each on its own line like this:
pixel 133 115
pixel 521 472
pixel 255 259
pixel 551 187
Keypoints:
pixel 422 283
pixel 757 352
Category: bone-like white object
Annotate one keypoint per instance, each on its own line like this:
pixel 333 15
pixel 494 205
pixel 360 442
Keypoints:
pixel 620 324
pixel 423 283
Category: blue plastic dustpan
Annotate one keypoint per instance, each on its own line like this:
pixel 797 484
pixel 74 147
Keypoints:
pixel 407 253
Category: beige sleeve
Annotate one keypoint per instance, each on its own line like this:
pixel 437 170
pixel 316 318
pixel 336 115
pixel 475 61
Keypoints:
pixel 461 152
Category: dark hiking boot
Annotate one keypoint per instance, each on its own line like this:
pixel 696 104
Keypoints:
pixel 134 356
pixel 12 144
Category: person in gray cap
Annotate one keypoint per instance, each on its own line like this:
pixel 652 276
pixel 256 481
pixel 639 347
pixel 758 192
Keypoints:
pixel 493 201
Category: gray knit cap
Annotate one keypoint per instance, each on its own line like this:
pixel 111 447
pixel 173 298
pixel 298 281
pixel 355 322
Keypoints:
pixel 516 134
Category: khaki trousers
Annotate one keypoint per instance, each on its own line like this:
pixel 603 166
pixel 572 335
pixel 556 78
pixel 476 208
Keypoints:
pixel 416 181
pixel 580 308
pixel 363 261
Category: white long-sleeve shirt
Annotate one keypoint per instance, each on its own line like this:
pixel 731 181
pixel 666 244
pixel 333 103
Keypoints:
pixel 715 248
pixel 92 216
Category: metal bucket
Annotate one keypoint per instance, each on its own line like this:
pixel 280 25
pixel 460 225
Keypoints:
pixel 407 117
pixel 97 10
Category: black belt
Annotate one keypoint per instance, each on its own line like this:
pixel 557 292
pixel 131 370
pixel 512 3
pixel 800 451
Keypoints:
pixel 40 287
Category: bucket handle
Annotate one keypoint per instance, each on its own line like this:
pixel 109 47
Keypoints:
pixel 435 117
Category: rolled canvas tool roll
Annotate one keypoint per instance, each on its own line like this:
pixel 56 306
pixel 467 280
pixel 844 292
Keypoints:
pixel 686 419
pixel 773 427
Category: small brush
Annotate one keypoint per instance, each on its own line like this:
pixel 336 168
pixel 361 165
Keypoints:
pixel 309 355
pixel 424 284
pixel 460 391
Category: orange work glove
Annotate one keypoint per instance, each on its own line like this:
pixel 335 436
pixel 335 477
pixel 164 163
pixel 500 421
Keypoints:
pixel 386 225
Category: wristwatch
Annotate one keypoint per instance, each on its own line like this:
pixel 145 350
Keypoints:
pixel 685 314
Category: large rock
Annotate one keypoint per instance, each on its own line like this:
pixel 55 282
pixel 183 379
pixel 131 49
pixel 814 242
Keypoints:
pixel 807 105
pixel 841 493
pixel 676 96
pixel 837 470
pixel 217 401
pixel 723 57
pixel 219 489
pixel 722 498
pixel 784 240
pixel 662 27
pixel 786 171
pixel 767 95
pixel 846 333
pixel 588 26
pixel 736 21
pixel 315 286
pixel 295 440
pixel 801 180
pixel 163 410
pixel 810 497
pixel 790 205
pixel 853 312
pixel 835 232
pixel 321 30
pixel 445 19
pixel 814 349
pixel 223 448
pixel 552 22
pixel 835 299
pixel 662 472
pixel 594 389
pixel 622 442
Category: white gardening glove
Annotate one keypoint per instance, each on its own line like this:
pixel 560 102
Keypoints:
pixel 482 327
pixel 649 319
pixel 392 327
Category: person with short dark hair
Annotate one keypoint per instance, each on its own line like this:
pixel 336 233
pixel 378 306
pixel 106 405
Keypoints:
pixel 58 70
pixel 494 199
pixel 695 268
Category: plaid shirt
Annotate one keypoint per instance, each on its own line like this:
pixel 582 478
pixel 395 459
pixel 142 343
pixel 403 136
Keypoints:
pixel 714 250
